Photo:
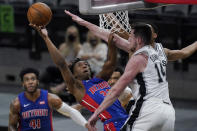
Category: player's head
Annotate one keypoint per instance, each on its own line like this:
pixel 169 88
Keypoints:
pixel 81 69
pixel 115 76
pixel 141 34
pixel 30 79
pixel 72 34
pixel 154 30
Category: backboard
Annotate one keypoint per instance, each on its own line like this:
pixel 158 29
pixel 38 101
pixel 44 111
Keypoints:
pixel 173 1
pixel 106 6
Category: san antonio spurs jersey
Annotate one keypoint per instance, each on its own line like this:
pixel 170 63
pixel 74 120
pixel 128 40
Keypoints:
pixel 153 109
pixel 152 82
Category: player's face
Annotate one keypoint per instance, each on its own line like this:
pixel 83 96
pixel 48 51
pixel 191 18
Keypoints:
pixel 114 78
pixel 30 82
pixel 82 70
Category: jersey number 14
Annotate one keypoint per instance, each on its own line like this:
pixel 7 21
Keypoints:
pixel 160 71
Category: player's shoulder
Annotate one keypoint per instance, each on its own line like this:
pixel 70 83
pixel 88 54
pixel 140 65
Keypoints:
pixel 15 104
pixel 54 100
pixel 53 97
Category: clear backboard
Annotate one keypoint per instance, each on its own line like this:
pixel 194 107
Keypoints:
pixel 173 1
pixel 105 6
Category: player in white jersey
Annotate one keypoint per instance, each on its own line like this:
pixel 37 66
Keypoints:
pixel 153 109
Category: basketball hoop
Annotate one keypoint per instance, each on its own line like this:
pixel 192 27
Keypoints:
pixel 115 22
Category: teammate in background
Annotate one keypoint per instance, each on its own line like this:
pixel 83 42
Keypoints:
pixel 171 55
pixel 32 109
pixel 126 95
pixel 89 92
pixel 153 109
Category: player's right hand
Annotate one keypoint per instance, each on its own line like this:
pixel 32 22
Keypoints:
pixel 111 38
pixel 41 29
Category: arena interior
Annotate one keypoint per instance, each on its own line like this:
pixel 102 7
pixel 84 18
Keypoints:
pixel 20 47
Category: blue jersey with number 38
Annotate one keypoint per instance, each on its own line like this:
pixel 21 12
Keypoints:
pixel 35 115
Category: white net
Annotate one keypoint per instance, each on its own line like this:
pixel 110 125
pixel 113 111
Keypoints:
pixel 116 21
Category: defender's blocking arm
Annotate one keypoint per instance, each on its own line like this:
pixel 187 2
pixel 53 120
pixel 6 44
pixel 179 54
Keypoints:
pixel 121 38
pixel 174 55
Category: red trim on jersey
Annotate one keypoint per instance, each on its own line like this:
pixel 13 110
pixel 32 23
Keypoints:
pixel 109 127
pixel 173 1
pixel 51 120
pixel 91 105
pixel 19 126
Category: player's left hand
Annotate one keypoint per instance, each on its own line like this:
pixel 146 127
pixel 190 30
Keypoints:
pixel 76 18
pixel 90 128
pixel 92 122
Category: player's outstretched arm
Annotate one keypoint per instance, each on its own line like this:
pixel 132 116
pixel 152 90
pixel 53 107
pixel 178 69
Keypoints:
pixel 99 32
pixel 57 58
pixel 56 103
pixel 122 38
pixel 14 115
pixel 174 55
pixel 110 63
pixel 122 43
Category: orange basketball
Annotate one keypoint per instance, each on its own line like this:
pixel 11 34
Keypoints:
pixel 39 14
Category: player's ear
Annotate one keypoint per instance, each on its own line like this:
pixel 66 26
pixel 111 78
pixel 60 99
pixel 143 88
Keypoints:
pixel 154 35
pixel 38 82
pixel 138 40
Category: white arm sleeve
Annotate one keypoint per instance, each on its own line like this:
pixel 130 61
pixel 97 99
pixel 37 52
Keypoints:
pixel 73 113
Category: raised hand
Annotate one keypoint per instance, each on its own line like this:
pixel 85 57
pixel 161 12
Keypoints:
pixel 41 29
pixel 111 38
pixel 75 18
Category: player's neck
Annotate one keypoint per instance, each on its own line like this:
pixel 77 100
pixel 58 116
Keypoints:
pixel 33 96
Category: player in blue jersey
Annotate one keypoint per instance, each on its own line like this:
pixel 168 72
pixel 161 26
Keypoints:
pixel 32 109
pixel 89 91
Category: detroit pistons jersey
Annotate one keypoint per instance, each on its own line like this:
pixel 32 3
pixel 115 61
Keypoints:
pixel 96 90
pixel 35 115
pixel 152 82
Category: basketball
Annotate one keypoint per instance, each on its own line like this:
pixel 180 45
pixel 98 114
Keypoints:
pixel 39 14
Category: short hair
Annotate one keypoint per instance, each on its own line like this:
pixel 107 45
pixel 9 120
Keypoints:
pixel 143 30
pixel 75 61
pixel 119 69
pixel 155 28
pixel 29 70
